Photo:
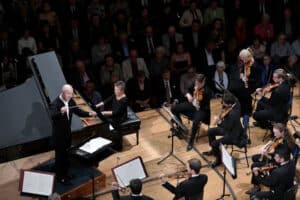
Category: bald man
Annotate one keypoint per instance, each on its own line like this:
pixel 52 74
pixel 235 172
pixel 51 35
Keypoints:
pixel 61 110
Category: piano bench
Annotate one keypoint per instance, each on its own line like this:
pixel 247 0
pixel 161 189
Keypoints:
pixel 131 125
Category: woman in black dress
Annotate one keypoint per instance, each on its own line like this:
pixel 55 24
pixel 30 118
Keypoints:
pixel 118 114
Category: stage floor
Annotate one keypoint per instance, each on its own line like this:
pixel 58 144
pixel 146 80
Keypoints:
pixel 154 145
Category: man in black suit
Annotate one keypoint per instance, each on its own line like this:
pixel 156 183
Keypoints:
pixel 193 187
pixel 62 109
pixel 136 189
pixel 194 39
pixel 229 126
pixel 280 179
pixel 148 43
pixel 166 88
pixel 276 107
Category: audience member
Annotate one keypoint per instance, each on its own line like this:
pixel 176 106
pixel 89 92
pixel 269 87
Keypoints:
pixel 280 50
pixel 132 65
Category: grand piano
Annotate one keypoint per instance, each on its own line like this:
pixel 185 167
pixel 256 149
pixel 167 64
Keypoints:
pixel 26 126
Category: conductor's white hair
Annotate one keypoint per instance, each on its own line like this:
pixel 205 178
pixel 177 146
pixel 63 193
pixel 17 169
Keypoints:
pixel 67 87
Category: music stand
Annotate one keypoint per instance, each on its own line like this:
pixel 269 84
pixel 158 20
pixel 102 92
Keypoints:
pixel 176 125
pixel 230 165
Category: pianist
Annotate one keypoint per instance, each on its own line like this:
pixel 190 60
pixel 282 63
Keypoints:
pixel 118 114
pixel 61 111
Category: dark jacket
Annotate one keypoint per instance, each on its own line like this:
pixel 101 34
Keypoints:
pixel 231 124
pixel 191 187
pixel 61 123
pixel 280 180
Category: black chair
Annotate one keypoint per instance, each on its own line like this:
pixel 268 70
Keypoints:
pixel 131 125
pixel 290 194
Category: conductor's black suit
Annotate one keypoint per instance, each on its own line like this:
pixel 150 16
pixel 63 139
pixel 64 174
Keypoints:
pixel 61 123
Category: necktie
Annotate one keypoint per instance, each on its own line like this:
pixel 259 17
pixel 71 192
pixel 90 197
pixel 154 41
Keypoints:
pixel 150 45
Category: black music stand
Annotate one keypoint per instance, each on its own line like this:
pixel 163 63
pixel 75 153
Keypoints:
pixel 230 165
pixel 176 129
pixel 91 159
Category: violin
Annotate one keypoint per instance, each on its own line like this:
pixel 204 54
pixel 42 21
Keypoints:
pixel 269 87
pixel 270 146
pixel 223 114
pixel 247 70
pixel 198 97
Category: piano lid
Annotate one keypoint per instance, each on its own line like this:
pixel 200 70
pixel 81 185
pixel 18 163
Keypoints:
pixel 53 79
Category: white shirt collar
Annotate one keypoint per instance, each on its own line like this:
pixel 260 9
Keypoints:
pixel 64 101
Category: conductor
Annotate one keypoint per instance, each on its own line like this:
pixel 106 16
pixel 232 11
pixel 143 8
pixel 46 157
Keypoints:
pixel 61 110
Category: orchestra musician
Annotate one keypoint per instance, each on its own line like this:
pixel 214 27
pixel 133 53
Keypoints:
pixel 229 126
pixel 62 109
pixel 282 138
pixel 249 80
pixel 191 188
pixel 135 186
pixel 276 107
pixel 197 106
pixel 118 114
pixel 279 179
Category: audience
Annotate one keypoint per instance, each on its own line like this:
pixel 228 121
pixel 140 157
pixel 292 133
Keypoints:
pixel 106 41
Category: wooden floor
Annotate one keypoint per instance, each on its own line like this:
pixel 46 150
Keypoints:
pixel 154 144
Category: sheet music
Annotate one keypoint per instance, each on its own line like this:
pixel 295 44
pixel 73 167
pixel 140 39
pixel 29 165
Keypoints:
pixel 228 161
pixel 37 183
pixel 94 144
pixel 130 170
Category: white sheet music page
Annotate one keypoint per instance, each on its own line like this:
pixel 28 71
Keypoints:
pixel 94 144
pixel 131 170
pixel 228 160
pixel 37 183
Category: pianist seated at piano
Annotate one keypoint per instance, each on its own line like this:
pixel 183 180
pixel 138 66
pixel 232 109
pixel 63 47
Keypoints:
pixel 118 114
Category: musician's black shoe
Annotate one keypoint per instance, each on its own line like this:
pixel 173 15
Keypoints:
pixel 208 153
pixel 216 163
pixel 256 188
pixel 189 147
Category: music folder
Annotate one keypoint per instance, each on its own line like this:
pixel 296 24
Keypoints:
pixel 36 182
